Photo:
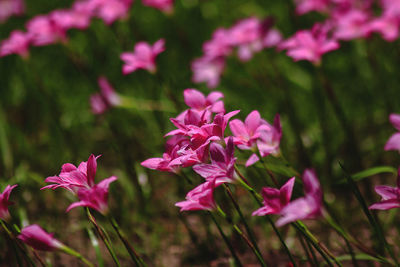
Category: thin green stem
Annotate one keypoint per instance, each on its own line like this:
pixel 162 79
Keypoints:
pixel 95 244
pixel 243 219
pixel 131 250
pixel 101 233
pixel 228 244
pixel 309 252
pixel 76 254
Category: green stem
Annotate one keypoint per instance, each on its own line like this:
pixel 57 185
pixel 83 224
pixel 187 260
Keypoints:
pixel 103 237
pixel 228 244
pixel 132 252
pixel 95 244
pixel 76 254
pixel 248 230
pixel 308 250
pixel 267 170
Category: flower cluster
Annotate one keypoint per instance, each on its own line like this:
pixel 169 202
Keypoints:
pixel 199 141
pixel 80 181
pixel 249 36
pixel 9 8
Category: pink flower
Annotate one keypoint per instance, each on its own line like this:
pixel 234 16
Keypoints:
pixel 11 7
pixel 106 99
pixel 34 236
pixel 305 6
pixel 388 26
pixel 245 31
pixel 245 134
pixel 143 57
pixel 209 70
pixel 351 25
pixel 268 139
pixel 111 10
pixel 73 178
pixel 42 30
pixel 95 197
pixel 163 5
pixel 394 141
pixel 275 199
pixel 4 202
pixel 200 198
pixel 222 167
pixel 390 196
pixel 196 100
pixel 76 18
pixel 17 43
pixel 309 45
pixel 307 207
pixel 219 45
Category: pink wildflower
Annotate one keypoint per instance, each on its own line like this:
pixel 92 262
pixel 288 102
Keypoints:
pixel 143 57
pixel 111 10
pixel 222 167
pixel 95 197
pixel 75 18
pixel 4 202
pixel 219 45
pixel 17 43
pixel 394 141
pixel 305 6
pixel 390 196
pixel 275 199
pixel 209 70
pixel 11 7
pixel 73 178
pixel 196 100
pixel 163 5
pixel 309 45
pixel 307 207
pixel 388 26
pixel 351 25
pixel 42 30
pixel 107 97
pixel 34 236
pixel 200 198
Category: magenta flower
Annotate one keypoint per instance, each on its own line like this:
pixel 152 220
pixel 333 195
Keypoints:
pixel 106 99
pixel 307 207
pixel 222 167
pixel 209 70
pixel 245 31
pixel 394 141
pixel 388 26
pixel 351 25
pixel 200 198
pixel 17 43
pixel 268 140
pixel 9 8
pixel 196 100
pixel 219 45
pixel 245 134
pixel 34 236
pixel 390 196
pixel 309 45
pixel 4 202
pixel 42 30
pixel 75 18
pixel 275 199
pixel 305 6
pixel 111 10
pixel 95 197
pixel 143 57
pixel 165 6
pixel 73 178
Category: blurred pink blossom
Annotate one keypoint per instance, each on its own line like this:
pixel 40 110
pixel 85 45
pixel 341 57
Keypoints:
pixel 390 196
pixel 307 207
pixel 107 97
pixel 208 70
pixel 275 199
pixel 305 6
pixel 42 30
pixel 309 44
pixel 9 8
pixel 17 43
pixel 4 202
pixel 143 57
pixel 111 10
pixel 34 236
pixel 351 25
pixel 394 141
pixel 163 5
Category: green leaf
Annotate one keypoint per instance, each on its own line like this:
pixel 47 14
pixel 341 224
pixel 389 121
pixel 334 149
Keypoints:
pixel 370 172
